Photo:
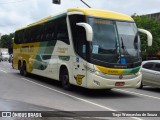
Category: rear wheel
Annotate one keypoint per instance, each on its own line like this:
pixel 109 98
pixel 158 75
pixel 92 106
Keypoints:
pixel 64 78
pixel 24 69
pixel 20 68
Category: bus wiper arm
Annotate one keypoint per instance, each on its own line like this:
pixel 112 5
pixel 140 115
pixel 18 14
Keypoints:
pixel 124 47
pixel 136 41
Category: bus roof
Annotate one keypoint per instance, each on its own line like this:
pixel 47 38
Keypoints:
pixel 87 12
pixel 102 13
pixel 36 23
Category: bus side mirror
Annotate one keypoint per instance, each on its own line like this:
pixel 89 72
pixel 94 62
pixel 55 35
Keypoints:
pixel 149 36
pixel 88 29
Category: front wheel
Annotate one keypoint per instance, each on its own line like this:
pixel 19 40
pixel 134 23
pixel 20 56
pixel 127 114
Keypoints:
pixel 64 78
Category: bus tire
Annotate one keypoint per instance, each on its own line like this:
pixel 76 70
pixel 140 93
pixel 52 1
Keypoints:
pixel 64 78
pixel 24 69
pixel 20 68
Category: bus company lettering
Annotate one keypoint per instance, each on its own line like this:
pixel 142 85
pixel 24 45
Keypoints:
pixel 62 50
pixel 27 49
pixel 116 66
pixel 113 71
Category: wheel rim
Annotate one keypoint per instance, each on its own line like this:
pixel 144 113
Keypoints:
pixel 65 79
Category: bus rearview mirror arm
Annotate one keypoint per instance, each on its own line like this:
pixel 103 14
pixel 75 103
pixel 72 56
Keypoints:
pixel 149 36
pixel 88 29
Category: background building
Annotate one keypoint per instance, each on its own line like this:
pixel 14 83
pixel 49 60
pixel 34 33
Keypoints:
pixel 154 15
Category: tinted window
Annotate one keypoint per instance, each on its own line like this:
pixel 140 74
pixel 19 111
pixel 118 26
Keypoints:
pixel 55 29
pixel 62 32
pixel 16 38
pixel 38 33
pixel 78 34
pixel 50 31
pixel 148 66
pixel 19 37
pixel 81 42
pixel 157 67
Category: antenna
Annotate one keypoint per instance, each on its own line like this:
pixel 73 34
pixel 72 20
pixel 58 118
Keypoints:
pixel 59 2
pixel 85 3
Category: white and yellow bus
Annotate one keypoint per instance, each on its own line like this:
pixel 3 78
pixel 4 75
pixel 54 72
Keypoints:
pixel 91 48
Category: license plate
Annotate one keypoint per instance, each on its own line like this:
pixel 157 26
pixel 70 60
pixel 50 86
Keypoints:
pixel 119 83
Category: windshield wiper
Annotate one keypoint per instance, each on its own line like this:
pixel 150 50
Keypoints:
pixel 136 41
pixel 124 48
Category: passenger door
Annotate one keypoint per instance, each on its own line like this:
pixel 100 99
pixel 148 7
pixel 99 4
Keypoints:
pixel 80 48
pixel 79 67
pixel 148 73
pixel 157 74
pixel 79 71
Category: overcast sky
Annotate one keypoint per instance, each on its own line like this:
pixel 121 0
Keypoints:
pixel 15 14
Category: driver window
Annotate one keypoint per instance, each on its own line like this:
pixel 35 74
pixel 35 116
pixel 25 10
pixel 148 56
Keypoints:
pixel 81 42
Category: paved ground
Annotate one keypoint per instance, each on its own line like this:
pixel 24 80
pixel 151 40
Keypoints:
pixel 34 93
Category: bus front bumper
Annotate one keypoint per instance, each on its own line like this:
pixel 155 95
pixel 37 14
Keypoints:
pixel 98 82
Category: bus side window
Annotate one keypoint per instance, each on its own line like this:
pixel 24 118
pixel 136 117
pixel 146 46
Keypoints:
pixel 20 37
pixel 42 36
pixel 50 31
pixel 62 31
pixel 40 33
pixel 16 38
pixel 27 36
pixel 34 32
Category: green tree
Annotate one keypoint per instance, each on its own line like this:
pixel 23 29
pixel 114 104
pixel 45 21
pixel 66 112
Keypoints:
pixel 152 25
pixel 6 41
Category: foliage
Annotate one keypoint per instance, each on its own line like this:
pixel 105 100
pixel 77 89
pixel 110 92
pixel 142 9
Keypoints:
pixel 152 25
pixel 6 41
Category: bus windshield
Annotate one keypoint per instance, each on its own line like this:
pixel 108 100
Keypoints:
pixel 114 39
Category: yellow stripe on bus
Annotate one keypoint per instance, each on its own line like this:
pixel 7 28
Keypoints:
pixel 102 13
pixel 110 70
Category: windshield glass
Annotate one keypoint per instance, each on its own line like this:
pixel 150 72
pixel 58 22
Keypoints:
pixel 113 40
pixel 129 40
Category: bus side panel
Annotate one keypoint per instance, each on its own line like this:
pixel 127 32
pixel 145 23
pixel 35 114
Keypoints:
pixel 24 53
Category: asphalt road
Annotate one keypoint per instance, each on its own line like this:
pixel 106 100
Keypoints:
pixel 35 93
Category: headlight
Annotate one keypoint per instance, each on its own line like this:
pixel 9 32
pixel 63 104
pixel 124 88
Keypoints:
pixel 139 73
pixel 97 72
